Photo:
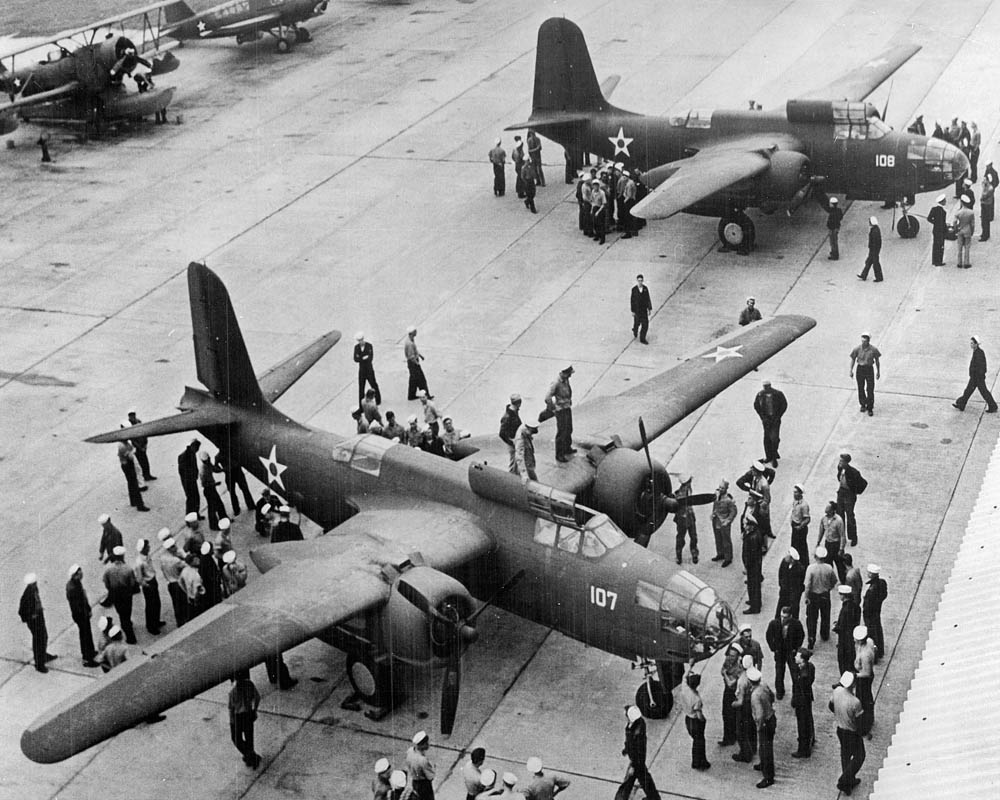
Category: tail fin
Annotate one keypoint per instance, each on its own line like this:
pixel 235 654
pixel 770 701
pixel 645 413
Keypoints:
pixel 177 12
pixel 223 363
pixel 565 81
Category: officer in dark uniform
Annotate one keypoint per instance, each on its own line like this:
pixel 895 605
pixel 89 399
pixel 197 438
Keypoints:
pixel 363 355
pixel 938 218
pixel 641 306
pixel 874 249
pixel 753 556
pixel 121 584
pixel 802 700
pixel 977 379
pixel 80 611
pixel 871 608
pixel 140 443
pixel 33 615
pixel 187 467
pixel 849 619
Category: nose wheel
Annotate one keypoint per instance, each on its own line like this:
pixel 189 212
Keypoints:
pixel 653 699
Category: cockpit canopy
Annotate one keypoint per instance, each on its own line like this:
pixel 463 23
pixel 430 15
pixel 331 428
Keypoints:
pixel 597 536
pixel 690 610
pixel 695 118
pixel 849 120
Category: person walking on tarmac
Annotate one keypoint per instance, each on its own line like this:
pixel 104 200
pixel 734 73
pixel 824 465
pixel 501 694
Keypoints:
pixel 874 249
pixel 977 379
pixel 770 405
pixel 535 155
pixel 641 305
pixel 635 751
pixel 243 702
pixel 528 180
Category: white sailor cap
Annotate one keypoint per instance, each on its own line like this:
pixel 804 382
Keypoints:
pixel 793 553
pixel 125 424
pixel 966 199
pixel 759 466
pixel 140 545
pixel 534 765
pixel 191 518
pixel 976 339
pixel 163 534
pixel 847 680
pixel 203 455
pixel 206 548
pixel 684 477
pixel 119 550
pixel 265 509
pixel 820 552
pixel 487 778
pixel 228 558
pixel 873 220
pixel 874 569
pixel 509 779
pixel 411 328
pixel 747 661
pixel 834 201
pixel 358 337
pixel 104 519
pixel 74 569
pixel 225 524
pixel 30 578
pixel 844 589
pixel 169 543
pixel 865 335
pixel 421 393
pixel 860 633
pixel 799 487
pixel 746 626
pixel 753 675
pixel 114 631
pixel 942 199
pixel 419 736
pixel 103 623
pixel 382 765
pixel 633 713
pixel 412 418
pixel 284 511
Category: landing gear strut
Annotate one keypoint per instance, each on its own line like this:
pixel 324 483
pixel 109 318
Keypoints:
pixel 737 232
pixel 908 225
pixel 653 699
pixel 374 683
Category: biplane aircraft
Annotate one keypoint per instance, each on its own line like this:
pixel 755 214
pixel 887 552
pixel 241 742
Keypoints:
pixel 79 77
pixel 413 539
pixel 247 20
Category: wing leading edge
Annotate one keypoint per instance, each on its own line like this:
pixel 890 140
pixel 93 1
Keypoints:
pixel 860 82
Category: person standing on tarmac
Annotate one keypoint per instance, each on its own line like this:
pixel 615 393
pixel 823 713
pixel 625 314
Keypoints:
pixel 598 210
pixel 583 192
pixel 874 250
pixel 509 423
pixel 498 158
pixel 517 156
pixel 535 155
pixel 641 305
pixel 33 615
pixel 80 611
pixel 834 217
pixel 938 218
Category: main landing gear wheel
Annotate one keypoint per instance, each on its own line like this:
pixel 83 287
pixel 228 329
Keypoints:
pixel 371 681
pixel 659 705
pixel 907 227
pixel 302 35
pixel 737 233
pixel 284 45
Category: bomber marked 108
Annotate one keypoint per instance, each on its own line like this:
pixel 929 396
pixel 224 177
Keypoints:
pixel 414 539
pixel 722 162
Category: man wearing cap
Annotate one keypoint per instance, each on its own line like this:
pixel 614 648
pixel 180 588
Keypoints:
pixel 692 707
pixel 791 583
pixel 584 219
pixel 381 788
pixel 114 652
pixel 535 155
pixel 517 157
pixel 753 558
pixel 977 379
pixel 746 729
pixel 770 404
pixel 111 538
pixel 224 541
pixel 724 513
pixel 397 781
pixel 80 611
pixel 850 483
pixel 641 306
pixel 784 636
pixel 938 218
pixel 599 210
pixel 414 435
pixel 33 615
pixel 509 781
pixel 207 472
pixel 413 358
pixel 869 369
pixel 211 579
pixel 420 767
pixel 126 459
pixel 864 670
pixel 194 589
pixel 145 575
pixel 529 178
pixel 498 158
pixel 524 451
pixel 871 608
pixel 559 400
pixel 171 565
pixel 831 538
pixel 756 482
pixel 848 713
pixel 731 670
pixel 364 354
pixel 874 249
pixel 820 580
pixel 629 194
pixel 140 443
pixel 848 619
pixel 965 229
pixel 542 785
pixel 986 202
pixel 686 522
pixel 802 699
pixel 187 468
pixel 234 573
pixel 834 216
pixel 800 518
pixel 509 423
pixel 286 530
pixel 635 751
pixel 193 538
pixel 244 700
pixel 472 773
pixel 762 707
pixel 121 584
pixel 750 312
pixel 489 783
pixel 432 416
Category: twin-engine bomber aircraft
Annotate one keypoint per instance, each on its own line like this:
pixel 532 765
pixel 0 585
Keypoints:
pixel 721 162
pixel 414 537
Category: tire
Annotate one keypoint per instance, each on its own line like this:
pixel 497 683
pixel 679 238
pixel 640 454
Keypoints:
pixel 284 45
pixel 302 36
pixel 371 681
pixel 737 232
pixel 661 704
pixel 907 227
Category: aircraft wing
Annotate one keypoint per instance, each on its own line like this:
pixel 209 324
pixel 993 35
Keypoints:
pixel 692 179
pixel 860 82
pixel 243 26
pixel 307 588
pixel 665 399
pixel 19 101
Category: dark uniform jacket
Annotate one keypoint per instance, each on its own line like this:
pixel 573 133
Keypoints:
pixel 802 685
pixel 977 364
pixel 791 577
pixel 877 592
pixel 509 423
pixel 30 608
pixel 855 482
pixel 635 742
pixel 780 645
pixel 938 219
pixel 848 619
pixel 640 302
pixel 363 354
pixel 286 531
pixel 187 466
pixel 770 404
pixel 79 605
pixel 834 217
pixel 874 239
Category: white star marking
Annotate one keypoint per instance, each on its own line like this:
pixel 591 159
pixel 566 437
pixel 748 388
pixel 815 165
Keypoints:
pixel 621 142
pixel 202 27
pixel 273 468
pixel 721 353
pixel 877 62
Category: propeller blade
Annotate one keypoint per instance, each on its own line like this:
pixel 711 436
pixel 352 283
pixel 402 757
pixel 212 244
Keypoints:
pixel 695 500
pixel 652 477
pixel 645 444
pixel 449 691
pixel 416 598
pixel 885 108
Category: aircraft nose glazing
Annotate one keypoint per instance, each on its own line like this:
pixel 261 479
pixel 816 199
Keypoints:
pixel 959 161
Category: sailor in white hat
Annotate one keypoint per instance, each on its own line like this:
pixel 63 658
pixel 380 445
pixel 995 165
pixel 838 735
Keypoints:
pixel 871 608
pixel 635 750
pixel 413 358
pixel 121 583
pixel 848 713
pixel 111 537
pixel 420 767
pixel 146 576
pixel 380 783
pixel 33 615
pixel 874 249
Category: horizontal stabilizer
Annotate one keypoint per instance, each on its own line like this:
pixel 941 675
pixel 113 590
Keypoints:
pixel 196 419
pixel 543 121
pixel 609 84
pixel 277 380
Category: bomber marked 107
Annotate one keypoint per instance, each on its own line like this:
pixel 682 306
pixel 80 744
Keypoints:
pixel 415 537
pixel 722 162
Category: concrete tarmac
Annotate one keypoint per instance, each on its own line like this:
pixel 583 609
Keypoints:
pixel 346 186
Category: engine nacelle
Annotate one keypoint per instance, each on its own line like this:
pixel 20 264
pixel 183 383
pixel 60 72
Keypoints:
pixel 789 172
pixel 411 634
pixel 622 491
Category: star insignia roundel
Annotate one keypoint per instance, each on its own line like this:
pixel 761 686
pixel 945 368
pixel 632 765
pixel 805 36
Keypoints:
pixel 621 142
pixel 273 468
pixel 722 353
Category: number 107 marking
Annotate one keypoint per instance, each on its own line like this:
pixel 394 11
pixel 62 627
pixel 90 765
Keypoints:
pixel 603 598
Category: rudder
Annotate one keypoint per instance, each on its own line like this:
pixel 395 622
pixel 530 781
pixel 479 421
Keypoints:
pixel 564 74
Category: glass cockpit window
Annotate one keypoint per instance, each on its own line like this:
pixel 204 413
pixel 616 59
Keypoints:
pixel 610 534
pixel 877 128
pixel 568 539
pixel 364 453
pixel 592 547
pixel 700 118
pixel 545 532
pixel 678 120
pixel 647 595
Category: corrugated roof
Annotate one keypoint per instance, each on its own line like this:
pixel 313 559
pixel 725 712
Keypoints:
pixel 947 740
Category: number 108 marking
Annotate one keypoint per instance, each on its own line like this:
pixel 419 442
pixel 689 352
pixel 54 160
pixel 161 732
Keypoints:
pixel 884 160
pixel 603 598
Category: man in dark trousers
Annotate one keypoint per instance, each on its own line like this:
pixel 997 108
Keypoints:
pixel 235 478
pixel 770 404
pixel 874 249
pixel 784 636
pixel 753 554
pixel 791 583
pixel 977 379
pixel 938 218
pixel 535 155
pixel 126 459
pixel 641 306
pixel 802 700
pixel 635 750
pixel 111 537
pixel 286 530
pixel 364 354
pixel 498 158
pixel 517 156
pixel 187 468
pixel 849 715
pixel 413 358
pixel 834 217
pixel 213 502
pixel 559 401
pixel 871 608
pixel 986 203
pixel 80 611
pixel 33 615
pixel 509 423
pixel 121 584
pixel 867 357
pixel 140 443
pixel 847 621
pixel 528 181
pixel 243 702
pixel 146 576
pixel 850 483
